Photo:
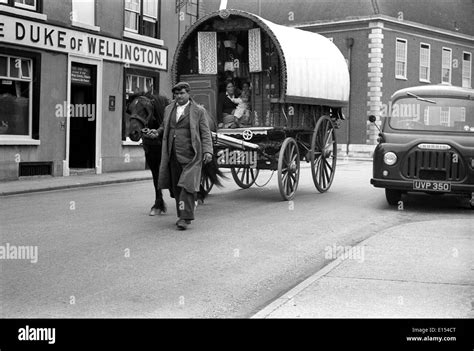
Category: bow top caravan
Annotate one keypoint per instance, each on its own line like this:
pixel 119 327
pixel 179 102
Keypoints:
pixel 276 94
pixel 301 65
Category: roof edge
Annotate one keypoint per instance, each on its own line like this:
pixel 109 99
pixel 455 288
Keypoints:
pixel 386 19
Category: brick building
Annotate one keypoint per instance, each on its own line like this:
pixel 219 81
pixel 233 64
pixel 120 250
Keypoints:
pixel 61 60
pixel 388 45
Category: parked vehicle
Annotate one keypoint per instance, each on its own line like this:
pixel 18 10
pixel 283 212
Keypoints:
pixel 427 143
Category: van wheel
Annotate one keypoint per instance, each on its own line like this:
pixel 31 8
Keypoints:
pixel 393 196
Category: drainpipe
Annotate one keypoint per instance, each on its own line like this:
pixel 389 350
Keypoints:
pixel 349 45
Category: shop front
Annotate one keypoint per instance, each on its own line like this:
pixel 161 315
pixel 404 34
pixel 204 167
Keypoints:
pixel 62 98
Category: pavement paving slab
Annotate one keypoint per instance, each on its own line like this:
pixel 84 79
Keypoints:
pixel 415 270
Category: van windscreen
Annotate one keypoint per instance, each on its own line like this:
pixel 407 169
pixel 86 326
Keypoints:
pixel 433 114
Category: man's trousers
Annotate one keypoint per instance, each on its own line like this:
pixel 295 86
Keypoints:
pixel 184 200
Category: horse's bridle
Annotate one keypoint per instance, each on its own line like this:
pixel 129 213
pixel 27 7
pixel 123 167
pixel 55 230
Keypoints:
pixel 141 119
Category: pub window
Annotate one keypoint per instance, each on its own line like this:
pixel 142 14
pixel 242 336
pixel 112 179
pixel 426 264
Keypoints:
pixel 83 11
pixel 446 60
pixel 425 58
pixel 141 17
pixel 135 84
pixel 138 81
pixel 15 96
pixel 466 69
pixel 401 59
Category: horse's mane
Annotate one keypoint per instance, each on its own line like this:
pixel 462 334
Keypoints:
pixel 159 102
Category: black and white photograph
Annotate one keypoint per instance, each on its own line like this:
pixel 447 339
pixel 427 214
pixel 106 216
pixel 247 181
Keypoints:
pixel 237 159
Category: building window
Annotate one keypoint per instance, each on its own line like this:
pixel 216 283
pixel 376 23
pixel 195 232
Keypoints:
pixel 83 11
pixel 462 118
pixel 466 69
pixel 425 58
pixel 26 4
pixel 141 17
pixel 401 59
pixel 23 4
pixel 426 116
pixel 135 84
pixel 192 9
pixel 446 60
pixel 444 121
pixel 132 15
pixel 16 77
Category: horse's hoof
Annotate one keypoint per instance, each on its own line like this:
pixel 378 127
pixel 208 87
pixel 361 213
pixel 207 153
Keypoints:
pixel 154 212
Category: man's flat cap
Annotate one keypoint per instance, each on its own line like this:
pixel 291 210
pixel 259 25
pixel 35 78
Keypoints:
pixel 181 85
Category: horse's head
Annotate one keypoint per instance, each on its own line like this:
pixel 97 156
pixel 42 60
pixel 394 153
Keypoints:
pixel 140 113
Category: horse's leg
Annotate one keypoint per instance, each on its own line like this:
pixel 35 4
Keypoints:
pixel 153 160
pixel 159 202
pixel 201 195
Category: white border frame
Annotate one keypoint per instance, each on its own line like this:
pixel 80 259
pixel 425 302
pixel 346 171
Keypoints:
pixel 429 65
pixel 98 127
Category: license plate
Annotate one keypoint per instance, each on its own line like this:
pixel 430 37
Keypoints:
pixel 431 186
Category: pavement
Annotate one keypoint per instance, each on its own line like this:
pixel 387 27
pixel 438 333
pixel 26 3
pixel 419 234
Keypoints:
pixel 48 183
pixel 417 270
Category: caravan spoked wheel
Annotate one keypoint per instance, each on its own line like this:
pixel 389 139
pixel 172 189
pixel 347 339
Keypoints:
pixel 288 169
pixel 323 154
pixel 244 177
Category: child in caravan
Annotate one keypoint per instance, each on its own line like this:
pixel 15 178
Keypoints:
pixel 242 111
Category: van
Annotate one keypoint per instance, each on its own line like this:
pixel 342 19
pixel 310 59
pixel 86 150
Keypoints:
pixel 426 143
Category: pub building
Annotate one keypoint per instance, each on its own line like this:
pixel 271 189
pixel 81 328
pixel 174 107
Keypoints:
pixel 67 69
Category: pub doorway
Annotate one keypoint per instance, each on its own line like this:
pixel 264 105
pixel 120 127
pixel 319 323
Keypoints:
pixel 83 118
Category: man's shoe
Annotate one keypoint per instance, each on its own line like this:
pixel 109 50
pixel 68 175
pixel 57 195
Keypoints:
pixel 182 224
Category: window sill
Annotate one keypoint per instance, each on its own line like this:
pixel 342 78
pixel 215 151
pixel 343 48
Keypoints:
pixel 128 142
pixel 142 38
pixel 21 12
pixel 446 83
pixel 85 26
pixel 14 141
pixel 401 78
pixel 425 81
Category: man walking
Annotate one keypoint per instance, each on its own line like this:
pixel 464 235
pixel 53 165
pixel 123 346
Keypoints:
pixel 187 143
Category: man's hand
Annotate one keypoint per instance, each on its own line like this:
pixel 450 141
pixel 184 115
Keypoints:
pixel 207 158
pixel 151 134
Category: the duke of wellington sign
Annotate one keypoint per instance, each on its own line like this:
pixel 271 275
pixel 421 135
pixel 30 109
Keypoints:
pixel 47 37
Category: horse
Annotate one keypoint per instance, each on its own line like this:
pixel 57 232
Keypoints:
pixel 144 112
